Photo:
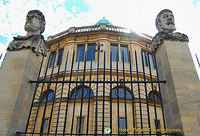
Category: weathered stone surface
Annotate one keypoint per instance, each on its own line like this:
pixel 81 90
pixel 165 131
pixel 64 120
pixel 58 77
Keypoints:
pixel 19 67
pixel 166 26
pixel 165 21
pixel 181 92
pixel 21 64
pixel 160 36
pixel 35 26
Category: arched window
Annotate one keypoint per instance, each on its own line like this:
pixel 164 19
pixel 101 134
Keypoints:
pixel 48 95
pixel 156 97
pixel 120 91
pixel 82 91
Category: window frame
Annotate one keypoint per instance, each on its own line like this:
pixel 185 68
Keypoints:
pixel 152 61
pixel 58 60
pixel 126 46
pixel 72 96
pixel 45 124
pixel 52 59
pixel 157 95
pixel 144 57
pixel 93 53
pixel 82 58
pixel 157 127
pixel 117 52
pixel 125 127
pixel 78 125
pixel 47 92
pixel 121 88
pixel 148 60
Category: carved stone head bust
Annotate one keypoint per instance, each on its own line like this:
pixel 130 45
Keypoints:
pixel 165 21
pixel 35 26
pixel 166 27
pixel 35 22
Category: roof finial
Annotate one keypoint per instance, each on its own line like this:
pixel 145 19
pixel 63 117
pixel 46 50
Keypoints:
pixel 103 15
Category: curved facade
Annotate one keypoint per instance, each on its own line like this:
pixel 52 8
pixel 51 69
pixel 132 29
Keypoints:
pixel 98 76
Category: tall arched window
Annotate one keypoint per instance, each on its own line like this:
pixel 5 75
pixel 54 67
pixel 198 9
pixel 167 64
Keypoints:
pixel 121 92
pixel 48 95
pixel 156 97
pixel 82 91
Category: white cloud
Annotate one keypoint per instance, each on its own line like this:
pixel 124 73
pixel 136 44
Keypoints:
pixel 135 14
pixel 140 16
pixel 74 9
pixel 13 16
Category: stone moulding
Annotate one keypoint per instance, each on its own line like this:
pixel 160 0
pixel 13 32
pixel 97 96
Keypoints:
pixel 35 42
pixel 160 36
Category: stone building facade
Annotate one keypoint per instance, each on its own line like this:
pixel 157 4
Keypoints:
pixel 100 79
pixel 138 105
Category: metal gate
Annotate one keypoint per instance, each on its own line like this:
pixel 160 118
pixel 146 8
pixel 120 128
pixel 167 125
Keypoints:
pixel 97 97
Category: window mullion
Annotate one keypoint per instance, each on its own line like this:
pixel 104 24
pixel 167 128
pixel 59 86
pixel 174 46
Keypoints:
pixel 119 52
pixel 86 46
pixel 56 59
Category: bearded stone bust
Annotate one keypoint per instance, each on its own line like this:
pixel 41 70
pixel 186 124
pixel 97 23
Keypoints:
pixel 165 21
pixel 165 24
pixel 35 26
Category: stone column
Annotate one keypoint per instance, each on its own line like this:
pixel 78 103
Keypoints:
pixel 181 93
pixel 19 67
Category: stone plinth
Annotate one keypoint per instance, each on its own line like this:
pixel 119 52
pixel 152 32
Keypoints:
pixel 19 67
pixel 181 93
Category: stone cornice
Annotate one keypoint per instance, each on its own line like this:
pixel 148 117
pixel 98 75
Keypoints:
pixel 96 28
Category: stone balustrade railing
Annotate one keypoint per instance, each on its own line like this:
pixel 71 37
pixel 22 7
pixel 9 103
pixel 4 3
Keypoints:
pixel 99 27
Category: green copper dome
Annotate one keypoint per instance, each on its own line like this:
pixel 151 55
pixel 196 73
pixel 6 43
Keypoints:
pixel 103 21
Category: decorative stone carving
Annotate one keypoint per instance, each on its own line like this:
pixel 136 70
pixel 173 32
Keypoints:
pixel 35 26
pixel 166 27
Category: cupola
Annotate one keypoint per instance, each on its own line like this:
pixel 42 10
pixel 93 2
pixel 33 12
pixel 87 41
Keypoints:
pixel 104 21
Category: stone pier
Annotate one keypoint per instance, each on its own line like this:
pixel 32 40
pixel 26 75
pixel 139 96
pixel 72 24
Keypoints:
pixel 21 64
pixel 181 93
pixel 16 93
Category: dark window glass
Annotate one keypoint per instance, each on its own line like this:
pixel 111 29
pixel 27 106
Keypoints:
pixel 114 51
pixel 122 125
pixel 80 53
pixel 44 125
pixel 151 61
pixel 144 57
pixel 157 124
pixel 82 91
pixel 124 52
pixel 60 56
pixel 91 52
pixel 49 94
pixel 78 125
pixel 120 91
pixel 148 60
pixel 53 58
pixel 156 97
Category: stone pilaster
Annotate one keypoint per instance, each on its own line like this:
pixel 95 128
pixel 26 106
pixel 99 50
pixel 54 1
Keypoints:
pixel 16 92
pixel 181 93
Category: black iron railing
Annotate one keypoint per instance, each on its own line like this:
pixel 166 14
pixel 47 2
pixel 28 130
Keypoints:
pixel 85 104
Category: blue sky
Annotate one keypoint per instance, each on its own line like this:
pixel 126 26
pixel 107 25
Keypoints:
pixel 138 15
